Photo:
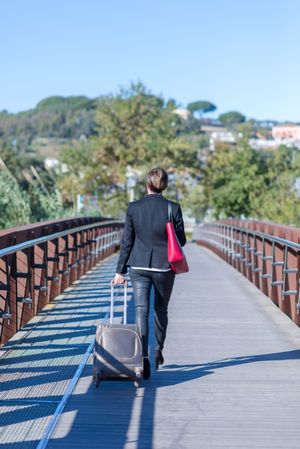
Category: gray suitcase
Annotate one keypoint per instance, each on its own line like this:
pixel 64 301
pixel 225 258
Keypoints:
pixel 118 348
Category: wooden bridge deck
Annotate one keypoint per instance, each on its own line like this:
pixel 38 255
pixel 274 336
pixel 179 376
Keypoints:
pixel 230 379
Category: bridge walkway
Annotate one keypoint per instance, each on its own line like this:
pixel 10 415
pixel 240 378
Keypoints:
pixel 230 379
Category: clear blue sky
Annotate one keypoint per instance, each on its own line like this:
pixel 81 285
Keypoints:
pixel 241 55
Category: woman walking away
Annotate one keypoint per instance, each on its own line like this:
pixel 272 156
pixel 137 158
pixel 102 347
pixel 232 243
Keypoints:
pixel 144 249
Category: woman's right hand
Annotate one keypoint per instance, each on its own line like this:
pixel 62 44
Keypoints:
pixel 119 279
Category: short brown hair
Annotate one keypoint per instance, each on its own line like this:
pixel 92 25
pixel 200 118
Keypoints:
pixel 157 179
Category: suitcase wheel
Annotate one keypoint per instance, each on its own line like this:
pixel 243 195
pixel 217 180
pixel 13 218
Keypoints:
pixel 137 382
pixel 97 379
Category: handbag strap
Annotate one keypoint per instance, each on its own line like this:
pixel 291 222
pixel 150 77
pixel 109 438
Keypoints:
pixel 170 213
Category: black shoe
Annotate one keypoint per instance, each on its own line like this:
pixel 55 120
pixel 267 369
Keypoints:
pixel 146 370
pixel 158 358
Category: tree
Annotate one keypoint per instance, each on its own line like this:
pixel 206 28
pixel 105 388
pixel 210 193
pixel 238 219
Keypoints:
pixel 195 201
pixel 201 106
pixel 135 129
pixel 231 118
pixel 233 178
pixel 60 104
pixel 279 201
pixel 14 204
pixel 79 158
pixel 241 182
pixel 44 205
pixel 53 118
pixel 29 191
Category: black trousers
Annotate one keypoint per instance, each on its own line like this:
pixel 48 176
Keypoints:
pixel 142 282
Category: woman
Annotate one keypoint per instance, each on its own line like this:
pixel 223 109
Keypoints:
pixel 144 248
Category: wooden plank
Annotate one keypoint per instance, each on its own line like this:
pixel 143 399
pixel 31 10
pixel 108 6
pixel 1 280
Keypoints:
pixel 39 362
pixel 230 379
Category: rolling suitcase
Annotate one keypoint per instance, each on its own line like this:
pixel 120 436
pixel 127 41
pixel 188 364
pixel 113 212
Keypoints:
pixel 118 348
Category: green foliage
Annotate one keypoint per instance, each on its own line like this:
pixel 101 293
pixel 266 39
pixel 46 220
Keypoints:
pixel 191 126
pixel 28 191
pixel 231 118
pixel 135 129
pixel 279 202
pixel 201 107
pixel 233 179
pixel 63 104
pixel 81 177
pixel 14 204
pixel 43 205
pixel 195 201
pixel 241 182
pixel 54 117
pixel 17 161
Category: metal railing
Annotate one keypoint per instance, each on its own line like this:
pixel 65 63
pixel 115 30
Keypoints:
pixel 271 260
pixel 35 271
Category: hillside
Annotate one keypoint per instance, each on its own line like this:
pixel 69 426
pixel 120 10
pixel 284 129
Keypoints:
pixel 51 123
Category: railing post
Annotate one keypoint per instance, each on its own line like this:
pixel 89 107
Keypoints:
pixel 53 270
pixel 33 274
pixel 9 313
pixel 267 254
pixel 72 248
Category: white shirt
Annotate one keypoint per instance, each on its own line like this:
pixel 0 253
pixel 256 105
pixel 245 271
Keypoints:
pixel 152 269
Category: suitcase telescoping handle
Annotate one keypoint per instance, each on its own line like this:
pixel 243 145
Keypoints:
pixel 111 317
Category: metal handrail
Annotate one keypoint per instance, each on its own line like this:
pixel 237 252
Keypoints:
pixel 24 245
pixel 35 271
pixel 262 235
pixel 269 261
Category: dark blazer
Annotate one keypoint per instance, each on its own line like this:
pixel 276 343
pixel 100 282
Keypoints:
pixel 144 242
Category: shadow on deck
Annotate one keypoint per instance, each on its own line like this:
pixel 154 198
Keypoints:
pixel 230 373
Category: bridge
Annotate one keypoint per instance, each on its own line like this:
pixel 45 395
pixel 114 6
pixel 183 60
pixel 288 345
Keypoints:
pixel 232 356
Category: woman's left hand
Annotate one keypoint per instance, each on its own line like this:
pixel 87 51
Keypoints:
pixel 119 279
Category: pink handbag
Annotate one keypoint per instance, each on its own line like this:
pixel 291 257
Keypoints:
pixel 176 255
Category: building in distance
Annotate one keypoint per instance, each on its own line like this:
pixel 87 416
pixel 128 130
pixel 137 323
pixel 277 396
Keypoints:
pixel 286 133
pixel 222 136
pixel 183 113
